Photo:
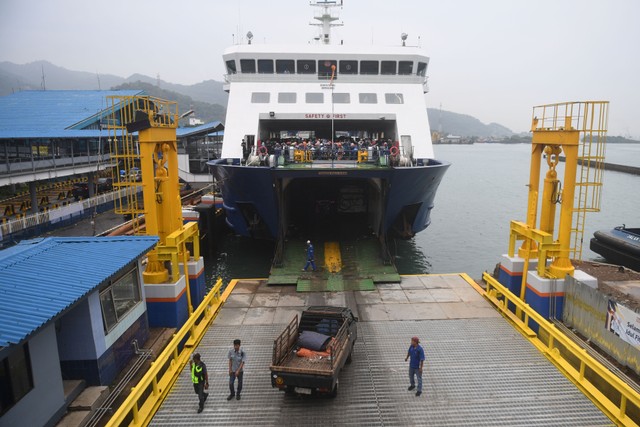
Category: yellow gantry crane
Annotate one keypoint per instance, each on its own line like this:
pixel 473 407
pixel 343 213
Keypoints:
pixel 577 130
pixel 152 164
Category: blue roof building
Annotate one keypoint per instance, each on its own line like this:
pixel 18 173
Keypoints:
pixel 62 133
pixel 54 111
pixel 69 310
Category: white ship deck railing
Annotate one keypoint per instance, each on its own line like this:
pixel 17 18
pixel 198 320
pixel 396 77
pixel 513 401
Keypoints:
pixel 314 78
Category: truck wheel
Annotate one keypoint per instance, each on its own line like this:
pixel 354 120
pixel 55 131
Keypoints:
pixel 334 392
pixel 350 356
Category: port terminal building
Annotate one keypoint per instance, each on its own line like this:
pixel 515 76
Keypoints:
pixel 69 311
pixel 60 137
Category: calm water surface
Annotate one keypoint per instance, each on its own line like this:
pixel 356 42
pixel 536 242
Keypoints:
pixel 483 190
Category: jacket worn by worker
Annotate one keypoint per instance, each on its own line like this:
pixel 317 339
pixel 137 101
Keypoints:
pixel 198 372
pixel 310 252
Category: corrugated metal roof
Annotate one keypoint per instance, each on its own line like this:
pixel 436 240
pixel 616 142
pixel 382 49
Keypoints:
pixel 52 109
pixel 40 278
pixel 207 127
pixel 55 133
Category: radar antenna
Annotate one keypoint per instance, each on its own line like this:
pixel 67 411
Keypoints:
pixel 326 19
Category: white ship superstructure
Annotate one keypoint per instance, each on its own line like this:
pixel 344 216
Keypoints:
pixel 327 139
pixel 375 90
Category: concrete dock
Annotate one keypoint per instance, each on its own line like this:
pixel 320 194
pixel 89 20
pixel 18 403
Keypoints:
pixel 478 369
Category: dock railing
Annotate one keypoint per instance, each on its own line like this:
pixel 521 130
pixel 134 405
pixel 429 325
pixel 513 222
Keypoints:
pixel 146 397
pixel 608 392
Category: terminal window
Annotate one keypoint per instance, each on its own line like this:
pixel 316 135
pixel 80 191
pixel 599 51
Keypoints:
pixel 16 378
pixel 119 298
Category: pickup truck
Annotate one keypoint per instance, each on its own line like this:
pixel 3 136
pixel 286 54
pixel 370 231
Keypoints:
pixel 317 374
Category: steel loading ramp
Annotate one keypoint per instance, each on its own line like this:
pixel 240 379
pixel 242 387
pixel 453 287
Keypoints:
pixel 479 369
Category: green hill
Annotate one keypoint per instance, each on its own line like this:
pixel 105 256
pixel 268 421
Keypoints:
pixel 464 125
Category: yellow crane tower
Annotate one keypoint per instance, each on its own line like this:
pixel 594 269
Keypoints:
pixel 152 164
pixel 577 129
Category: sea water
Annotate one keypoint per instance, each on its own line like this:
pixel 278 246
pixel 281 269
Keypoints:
pixel 483 190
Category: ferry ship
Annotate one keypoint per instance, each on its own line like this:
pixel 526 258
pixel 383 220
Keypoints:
pixel 327 138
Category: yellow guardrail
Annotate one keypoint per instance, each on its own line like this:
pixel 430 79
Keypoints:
pixel 146 397
pixel 620 402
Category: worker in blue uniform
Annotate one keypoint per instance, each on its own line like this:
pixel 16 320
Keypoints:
pixel 310 257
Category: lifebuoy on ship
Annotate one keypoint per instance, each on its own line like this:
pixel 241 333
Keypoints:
pixel 394 151
pixel 262 150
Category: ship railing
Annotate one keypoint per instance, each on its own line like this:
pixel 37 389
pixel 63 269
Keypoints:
pixel 315 78
pixel 373 155
pixel 609 393
pixel 147 396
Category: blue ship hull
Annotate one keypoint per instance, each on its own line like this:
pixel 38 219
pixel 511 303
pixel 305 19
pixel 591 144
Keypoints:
pixel 262 202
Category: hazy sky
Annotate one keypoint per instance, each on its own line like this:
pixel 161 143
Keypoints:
pixel 493 59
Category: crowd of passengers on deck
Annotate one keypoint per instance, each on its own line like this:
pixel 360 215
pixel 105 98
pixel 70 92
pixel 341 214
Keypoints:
pixel 324 149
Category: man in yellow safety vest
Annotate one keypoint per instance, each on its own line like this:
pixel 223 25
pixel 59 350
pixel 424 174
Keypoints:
pixel 200 379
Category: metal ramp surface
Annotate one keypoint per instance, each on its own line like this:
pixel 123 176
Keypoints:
pixel 479 371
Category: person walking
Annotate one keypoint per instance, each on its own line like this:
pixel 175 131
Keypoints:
pixel 200 379
pixel 416 353
pixel 237 358
pixel 310 257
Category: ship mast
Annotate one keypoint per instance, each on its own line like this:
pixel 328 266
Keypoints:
pixel 326 19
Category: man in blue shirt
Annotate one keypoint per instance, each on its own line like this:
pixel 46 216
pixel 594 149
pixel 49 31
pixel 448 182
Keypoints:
pixel 310 257
pixel 416 353
pixel 237 358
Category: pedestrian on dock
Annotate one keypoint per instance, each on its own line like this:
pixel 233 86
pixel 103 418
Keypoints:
pixel 237 358
pixel 200 379
pixel 310 257
pixel 416 353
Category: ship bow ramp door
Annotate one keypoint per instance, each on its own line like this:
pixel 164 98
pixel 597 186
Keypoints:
pixel 336 208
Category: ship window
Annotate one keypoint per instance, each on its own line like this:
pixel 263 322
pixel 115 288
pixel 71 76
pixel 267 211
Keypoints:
pixel 16 378
pixel 314 98
pixel 341 98
pixel 260 98
pixel 405 67
pixel 394 98
pixel 324 67
pixel 306 66
pixel 119 298
pixel 368 98
pixel 422 69
pixel 369 67
pixel 348 67
pixel 248 66
pixel 388 67
pixel 285 66
pixel 286 97
pixel 231 67
pixel 265 66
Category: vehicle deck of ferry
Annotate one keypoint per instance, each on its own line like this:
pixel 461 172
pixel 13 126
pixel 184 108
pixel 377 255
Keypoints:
pixel 479 370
